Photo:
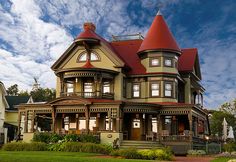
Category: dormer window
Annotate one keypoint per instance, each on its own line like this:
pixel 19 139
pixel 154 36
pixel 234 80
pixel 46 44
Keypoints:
pixel 83 57
pixel 168 62
pixel 154 62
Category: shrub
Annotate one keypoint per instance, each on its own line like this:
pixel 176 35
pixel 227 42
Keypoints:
pixel 147 154
pixel 20 146
pixel 85 147
pixel 130 153
pixel 71 138
pixel 229 147
pixel 54 138
pixel 88 138
pixel 155 154
pixel 42 137
pixel 163 154
pixel 196 152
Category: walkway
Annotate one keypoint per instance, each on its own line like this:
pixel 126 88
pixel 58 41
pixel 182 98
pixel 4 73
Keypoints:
pixel 192 159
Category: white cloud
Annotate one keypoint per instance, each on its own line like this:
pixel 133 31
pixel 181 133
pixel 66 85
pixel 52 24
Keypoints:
pixel 34 33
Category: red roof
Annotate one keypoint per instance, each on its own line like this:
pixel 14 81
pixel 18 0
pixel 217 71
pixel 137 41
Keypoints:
pixel 159 37
pixel 187 59
pixel 89 33
pixel 127 50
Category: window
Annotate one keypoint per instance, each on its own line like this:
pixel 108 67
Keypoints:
pixel 168 89
pixel 136 90
pixel 155 89
pixel 83 57
pixel 168 62
pixel 106 87
pixel 154 62
pixel 70 88
pixel 88 89
pixel 94 57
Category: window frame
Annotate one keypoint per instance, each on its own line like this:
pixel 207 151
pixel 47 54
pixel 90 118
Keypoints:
pixel 139 85
pixel 106 84
pixel 85 53
pixel 151 59
pixel 88 94
pixel 150 88
pixel 168 58
pixel 172 89
pixel 69 87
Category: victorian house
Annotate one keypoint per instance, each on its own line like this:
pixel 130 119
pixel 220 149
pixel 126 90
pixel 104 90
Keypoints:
pixel 132 88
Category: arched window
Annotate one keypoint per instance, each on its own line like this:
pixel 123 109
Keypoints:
pixel 83 57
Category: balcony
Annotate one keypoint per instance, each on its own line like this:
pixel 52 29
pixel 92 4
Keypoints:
pixel 89 95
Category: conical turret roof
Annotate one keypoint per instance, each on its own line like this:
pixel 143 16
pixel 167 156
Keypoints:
pixel 159 37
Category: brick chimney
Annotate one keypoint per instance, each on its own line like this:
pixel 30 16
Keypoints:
pixel 89 26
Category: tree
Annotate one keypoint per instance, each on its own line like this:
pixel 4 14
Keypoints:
pixel 216 122
pixel 43 94
pixel 12 90
pixel 23 93
pixel 229 107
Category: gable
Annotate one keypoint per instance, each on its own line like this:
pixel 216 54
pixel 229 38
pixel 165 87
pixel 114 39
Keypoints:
pixel 107 58
pixel 189 62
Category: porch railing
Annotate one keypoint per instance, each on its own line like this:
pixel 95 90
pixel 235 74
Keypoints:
pixel 175 138
pixel 89 94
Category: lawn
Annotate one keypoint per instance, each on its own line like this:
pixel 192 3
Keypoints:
pixel 222 159
pixel 46 156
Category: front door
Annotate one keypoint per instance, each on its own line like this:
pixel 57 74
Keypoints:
pixel 135 130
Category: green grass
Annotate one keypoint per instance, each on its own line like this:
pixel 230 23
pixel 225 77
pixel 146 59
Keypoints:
pixel 221 159
pixel 46 156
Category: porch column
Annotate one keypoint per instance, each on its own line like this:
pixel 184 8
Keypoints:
pixel 62 84
pixel 19 123
pixel 190 118
pixel 87 116
pixel 109 119
pixel 53 119
pixel 201 100
pixel 26 122
pixel 159 127
pixel 32 121
pixel 121 120
pixel 118 120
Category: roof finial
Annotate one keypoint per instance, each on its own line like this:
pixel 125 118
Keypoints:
pixel 159 12
pixel 159 5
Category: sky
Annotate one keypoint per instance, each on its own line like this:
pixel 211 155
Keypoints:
pixel 35 33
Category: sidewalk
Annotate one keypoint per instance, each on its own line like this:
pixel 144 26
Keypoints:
pixel 192 159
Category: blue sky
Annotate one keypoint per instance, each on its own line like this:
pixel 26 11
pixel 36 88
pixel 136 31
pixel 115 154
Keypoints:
pixel 34 33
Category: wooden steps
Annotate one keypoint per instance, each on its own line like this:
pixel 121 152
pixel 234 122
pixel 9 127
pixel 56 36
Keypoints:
pixel 140 144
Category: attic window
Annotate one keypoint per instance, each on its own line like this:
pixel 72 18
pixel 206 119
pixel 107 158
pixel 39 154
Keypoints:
pixel 83 57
